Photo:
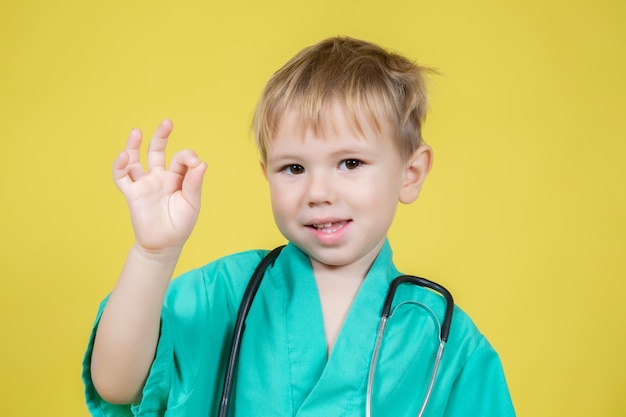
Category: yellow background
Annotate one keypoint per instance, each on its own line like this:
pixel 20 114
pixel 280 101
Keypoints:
pixel 523 216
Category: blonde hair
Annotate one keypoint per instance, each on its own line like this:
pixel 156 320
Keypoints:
pixel 372 86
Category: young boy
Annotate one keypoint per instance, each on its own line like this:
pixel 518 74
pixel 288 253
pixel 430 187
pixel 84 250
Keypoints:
pixel 339 134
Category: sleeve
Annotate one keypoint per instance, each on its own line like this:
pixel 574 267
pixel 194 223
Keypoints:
pixel 480 389
pixel 155 392
pixel 198 313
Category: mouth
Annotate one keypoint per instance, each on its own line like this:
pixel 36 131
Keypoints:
pixel 329 227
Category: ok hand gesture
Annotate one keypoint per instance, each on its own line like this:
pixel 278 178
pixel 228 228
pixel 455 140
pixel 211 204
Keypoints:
pixel 164 202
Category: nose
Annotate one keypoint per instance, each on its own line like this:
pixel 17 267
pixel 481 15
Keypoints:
pixel 320 189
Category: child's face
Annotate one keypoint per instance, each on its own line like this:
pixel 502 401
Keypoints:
pixel 334 196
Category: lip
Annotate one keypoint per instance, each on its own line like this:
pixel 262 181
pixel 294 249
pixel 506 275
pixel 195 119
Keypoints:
pixel 329 231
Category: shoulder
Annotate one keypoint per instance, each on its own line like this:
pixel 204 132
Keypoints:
pixel 231 267
pixel 470 353
pixel 478 385
pixel 465 335
pixel 472 373
pixel 220 281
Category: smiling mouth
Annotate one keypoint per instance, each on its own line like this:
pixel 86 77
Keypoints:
pixel 329 227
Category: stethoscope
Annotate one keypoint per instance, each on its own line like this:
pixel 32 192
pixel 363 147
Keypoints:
pixel 253 286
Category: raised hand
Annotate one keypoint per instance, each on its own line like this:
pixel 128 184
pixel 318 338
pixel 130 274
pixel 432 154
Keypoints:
pixel 164 202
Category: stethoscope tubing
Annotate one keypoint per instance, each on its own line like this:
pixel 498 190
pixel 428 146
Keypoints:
pixel 244 308
pixel 248 298
pixel 422 282
pixel 384 318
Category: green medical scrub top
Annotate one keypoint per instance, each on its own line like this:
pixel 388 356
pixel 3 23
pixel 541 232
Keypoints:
pixel 283 367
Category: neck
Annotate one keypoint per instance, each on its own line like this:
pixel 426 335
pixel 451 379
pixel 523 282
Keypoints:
pixel 337 287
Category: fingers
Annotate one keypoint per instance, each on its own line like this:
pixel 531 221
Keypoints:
pixel 133 145
pixel 192 184
pixel 126 167
pixel 128 163
pixel 187 164
pixel 184 160
pixel 120 173
pixel 156 149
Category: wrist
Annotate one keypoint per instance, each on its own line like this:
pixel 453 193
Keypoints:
pixel 167 255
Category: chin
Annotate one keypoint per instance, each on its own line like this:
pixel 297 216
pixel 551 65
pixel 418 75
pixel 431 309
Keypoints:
pixel 332 257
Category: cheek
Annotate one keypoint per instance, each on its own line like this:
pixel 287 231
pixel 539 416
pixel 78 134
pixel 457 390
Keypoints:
pixel 377 190
pixel 281 200
pixel 284 211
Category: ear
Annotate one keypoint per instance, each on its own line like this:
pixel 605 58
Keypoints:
pixel 416 170
pixel 263 169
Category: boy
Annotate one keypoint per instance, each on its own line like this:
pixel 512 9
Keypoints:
pixel 339 134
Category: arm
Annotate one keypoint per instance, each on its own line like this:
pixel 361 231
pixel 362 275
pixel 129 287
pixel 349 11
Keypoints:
pixel 164 205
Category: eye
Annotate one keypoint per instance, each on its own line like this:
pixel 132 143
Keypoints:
pixel 293 169
pixel 350 164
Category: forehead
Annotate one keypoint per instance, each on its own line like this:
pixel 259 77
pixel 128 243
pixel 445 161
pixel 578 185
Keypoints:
pixel 330 122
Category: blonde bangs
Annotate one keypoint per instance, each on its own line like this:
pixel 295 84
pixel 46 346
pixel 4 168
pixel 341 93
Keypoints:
pixel 372 86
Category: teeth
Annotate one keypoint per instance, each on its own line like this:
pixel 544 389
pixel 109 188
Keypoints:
pixel 328 227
